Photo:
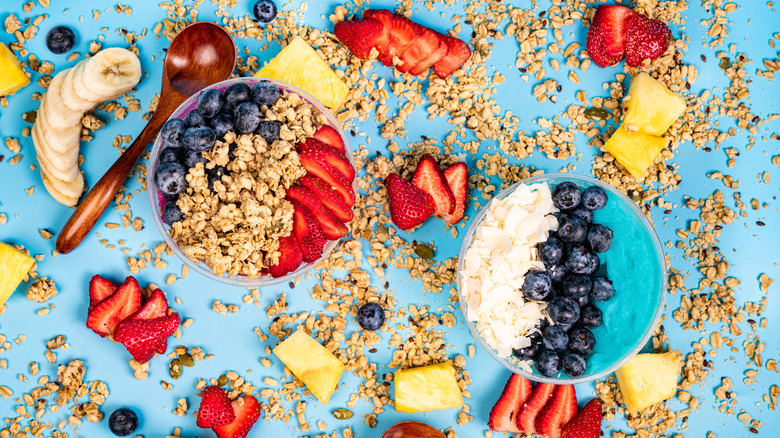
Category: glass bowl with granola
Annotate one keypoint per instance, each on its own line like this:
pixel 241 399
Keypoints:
pixel 252 182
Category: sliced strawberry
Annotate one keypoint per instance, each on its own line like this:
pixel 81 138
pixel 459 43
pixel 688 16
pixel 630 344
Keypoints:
pixel 458 52
pixel 425 51
pixel 308 233
pixel 403 32
pixel 329 155
pixel 429 177
pixel 606 41
pixel 105 315
pixel 330 137
pixel 329 196
pixel 99 290
pixel 646 39
pixel 215 408
pixel 156 306
pixel 587 424
pixel 290 257
pixel 457 177
pixel 409 206
pixel 382 41
pixel 142 337
pixel 527 417
pixel 315 166
pixel 360 36
pixel 162 348
pixel 561 408
pixel 247 410
pixel 332 228
pixel 503 416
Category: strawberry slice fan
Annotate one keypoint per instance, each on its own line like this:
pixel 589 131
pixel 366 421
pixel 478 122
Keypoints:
pixel 401 42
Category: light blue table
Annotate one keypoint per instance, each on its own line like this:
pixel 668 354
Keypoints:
pixel 750 249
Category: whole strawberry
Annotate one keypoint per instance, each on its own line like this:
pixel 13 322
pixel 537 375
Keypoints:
pixel 587 423
pixel 142 337
pixel 215 408
pixel 409 206
pixel 646 39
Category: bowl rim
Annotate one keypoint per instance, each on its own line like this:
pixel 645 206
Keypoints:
pixel 153 196
pixel 582 179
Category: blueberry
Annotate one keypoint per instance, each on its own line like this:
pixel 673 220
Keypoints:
pixel 171 132
pixel 578 259
pixel 265 11
pixel 236 94
pixel 590 316
pixel 551 251
pixel 371 316
pixel 594 198
pixel 593 264
pixel 576 286
pixel 554 338
pixel 168 155
pixel 537 285
pixel 172 213
pixel 602 289
pixel 583 213
pixel 170 178
pixel 210 103
pixel 574 230
pixel 563 310
pixel 581 341
pixel 572 363
pixel 265 93
pixel 548 363
pixel 198 139
pixel 123 422
pixel 532 350
pixel 599 238
pixel 566 195
pixel 246 117
pixel 562 216
pixel 582 301
pixel 557 272
pixel 195 118
pixel 269 130
pixel 222 124
pixel 190 159
pixel 60 39
pixel 215 174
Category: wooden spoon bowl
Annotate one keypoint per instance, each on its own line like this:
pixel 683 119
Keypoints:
pixel 412 429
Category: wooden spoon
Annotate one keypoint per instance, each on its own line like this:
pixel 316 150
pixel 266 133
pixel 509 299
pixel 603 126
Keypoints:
pixel 412 429
pixel 202 54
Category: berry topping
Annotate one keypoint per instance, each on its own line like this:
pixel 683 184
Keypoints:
pixel 503 416
pixel 371 316
pixel 573 364
pixel 590 316
pixel 566 195
pixel 581 341
pixel 264 11
pixel 247 410
pixel 539 397
pixel 198 138
pixel 602 289
pixel 537 285
pixel 211 103
pixel 578 259
pixel 170 178
pixel 264 93
pixel 606 41
pixel 594 198
pixel 548 363
pixel 290 257
pixel 142 337
pixel 246 117
pixel 409 206
pixel 555 338
pixel 551 251
pixel 429 177
pixel 171 132
pixel 236 94
pixel 457 177
pixel 60 39
pixel 194 118
pixel 646 39
pixel 573 230
pixel 576 286
pixel 123 422
pixel 599 238
pixel 587 423
pixel 561 408
pixel 215 408
pixel 563 310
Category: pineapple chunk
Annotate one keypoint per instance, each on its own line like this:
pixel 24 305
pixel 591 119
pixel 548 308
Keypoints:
pixel 427 388
pixel 14 265
pixel 300 65
pixel 12 75
pixel 648 379
pixel 636 151
pixel 317 367
pixel 650 106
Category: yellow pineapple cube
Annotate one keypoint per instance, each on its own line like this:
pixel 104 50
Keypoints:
pixel 428 388
pixel 312 363
pixel 12 75
pixel 650 106
pixel 14 265
pixel 636 151
pixel 648 379
pixel 300 65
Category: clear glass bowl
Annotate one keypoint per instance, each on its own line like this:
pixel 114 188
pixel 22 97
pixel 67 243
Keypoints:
pixel 636 330
pixel 157 200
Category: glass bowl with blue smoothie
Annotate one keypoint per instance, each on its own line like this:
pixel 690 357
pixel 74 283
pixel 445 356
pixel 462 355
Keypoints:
pixel 605 319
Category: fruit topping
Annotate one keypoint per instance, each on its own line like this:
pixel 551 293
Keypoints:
pixel 531 351
pixel 606 41
pixel 573 364
pixel 215 408
pixel 123 422
pixel 371 316
pixel 210 103
pixel 142 337
pixel 325 154
pixel 578 259
pixel 587 423
pixel 194 119
pixel 558 411
pixel 648 379
pixel 14 265
pixel 12 75
pixel 583 213
pixel 541 394
pixel 156 306
pixel 60 39
pixel 264 11
pixel 548 363
pixel 555 338
pixel 198 138
pixel 563 310
pixel 312 363
pixel 290 257
pixel 269 130
pixel 537 285
pixel 104 316
pixel 427 49
pixel 360 36
pixel 99 290
pixel 429 177
pixel 264 93
pixel 332 228
pixel 602 289
pixel 171 178
pixel 590 316
pixel 599 238
pixel 427 388
pixel 650 106
pixel 308 233
pixel 646 39
pixel 317 164
pixel 246 117
pixel 222 124
pixel 636 151
pixel 566 195
pixel 247 410
pixel 551 251
pixel 573 230
pixel 330 137
pixel 594 198
pixel 172 131
pixel 576 286
pixel 503 416
pixel 409 205
pixel 581 341
pixel 457 177
pixel 458 52
pixel 237 94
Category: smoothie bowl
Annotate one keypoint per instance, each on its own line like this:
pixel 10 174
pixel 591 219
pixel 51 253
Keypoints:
pixel 561 278
pixel 252 182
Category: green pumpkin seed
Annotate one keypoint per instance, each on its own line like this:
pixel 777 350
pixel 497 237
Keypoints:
pixel 725 63
pixel 175 369
pixel 30 116
pixel 186 360
pixel 597 113
pixel 342 414
pixel 222 381
pixel 424 251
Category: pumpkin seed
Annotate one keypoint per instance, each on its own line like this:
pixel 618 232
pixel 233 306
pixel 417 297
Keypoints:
pixel 597 113
pixel 186 360
pixel 424 251
pixel 175 369
pixel 30 116
pixel 725 63
pixel 222 381
pixel 342 414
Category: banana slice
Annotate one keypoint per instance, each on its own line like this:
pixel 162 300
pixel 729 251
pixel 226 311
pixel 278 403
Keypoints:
pixel 59 140
pixel 63 167
pixel 109 74
pixel 67 188
pixel 69 96
pixel 63 199
pixel 58 115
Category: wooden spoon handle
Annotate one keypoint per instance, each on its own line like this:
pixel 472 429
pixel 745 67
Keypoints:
pixel 98 199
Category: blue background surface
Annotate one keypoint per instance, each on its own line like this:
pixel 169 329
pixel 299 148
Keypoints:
pixel 750 249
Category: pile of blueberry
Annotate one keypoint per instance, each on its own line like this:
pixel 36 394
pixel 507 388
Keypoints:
pixel 570 283
pixel 239 109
